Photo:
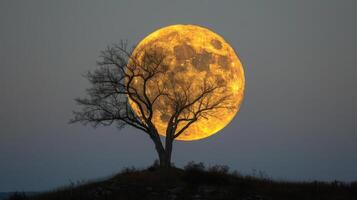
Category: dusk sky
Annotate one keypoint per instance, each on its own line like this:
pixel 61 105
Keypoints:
pixel 297 120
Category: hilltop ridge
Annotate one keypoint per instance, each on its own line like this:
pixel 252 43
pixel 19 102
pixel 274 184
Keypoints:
pixel 195 182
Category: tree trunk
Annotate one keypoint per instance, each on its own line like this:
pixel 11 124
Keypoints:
pixel 165 157
pixel 158 147
pixel 166 161
pixel 162 159
pixel 163 153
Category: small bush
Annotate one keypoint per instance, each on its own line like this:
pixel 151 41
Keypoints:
pixel 220 169
pixel 128 170
pixel 192 166
pixel 18 196
pixel 237 174
pixel 154 166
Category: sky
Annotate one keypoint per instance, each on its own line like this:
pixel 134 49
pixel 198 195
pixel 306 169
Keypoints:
pixel 297 121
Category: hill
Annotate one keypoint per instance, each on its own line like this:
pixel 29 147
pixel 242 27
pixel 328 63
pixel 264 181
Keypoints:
pixel 195 182
pixel 7 195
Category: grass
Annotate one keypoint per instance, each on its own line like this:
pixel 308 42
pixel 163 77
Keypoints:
pixel 196 181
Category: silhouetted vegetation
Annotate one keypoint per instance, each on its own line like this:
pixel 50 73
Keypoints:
pixel 18 196
pixel 196 181
pixel 123 82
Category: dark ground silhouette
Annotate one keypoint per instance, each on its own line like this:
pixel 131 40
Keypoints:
pixel 195 181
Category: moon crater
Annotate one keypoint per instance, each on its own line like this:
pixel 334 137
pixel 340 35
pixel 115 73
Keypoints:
pixel 216 44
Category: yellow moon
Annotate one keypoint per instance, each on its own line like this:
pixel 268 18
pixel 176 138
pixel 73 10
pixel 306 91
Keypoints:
pixel 194 52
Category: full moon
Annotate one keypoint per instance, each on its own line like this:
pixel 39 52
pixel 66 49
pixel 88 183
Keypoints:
pixel 193 53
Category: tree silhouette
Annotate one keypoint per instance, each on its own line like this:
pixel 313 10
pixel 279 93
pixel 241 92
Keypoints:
pixel 129 89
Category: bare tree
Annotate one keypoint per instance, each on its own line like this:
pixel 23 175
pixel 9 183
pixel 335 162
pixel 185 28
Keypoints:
pixel 129 89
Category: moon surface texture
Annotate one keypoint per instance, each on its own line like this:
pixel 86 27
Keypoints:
pixel 193 54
